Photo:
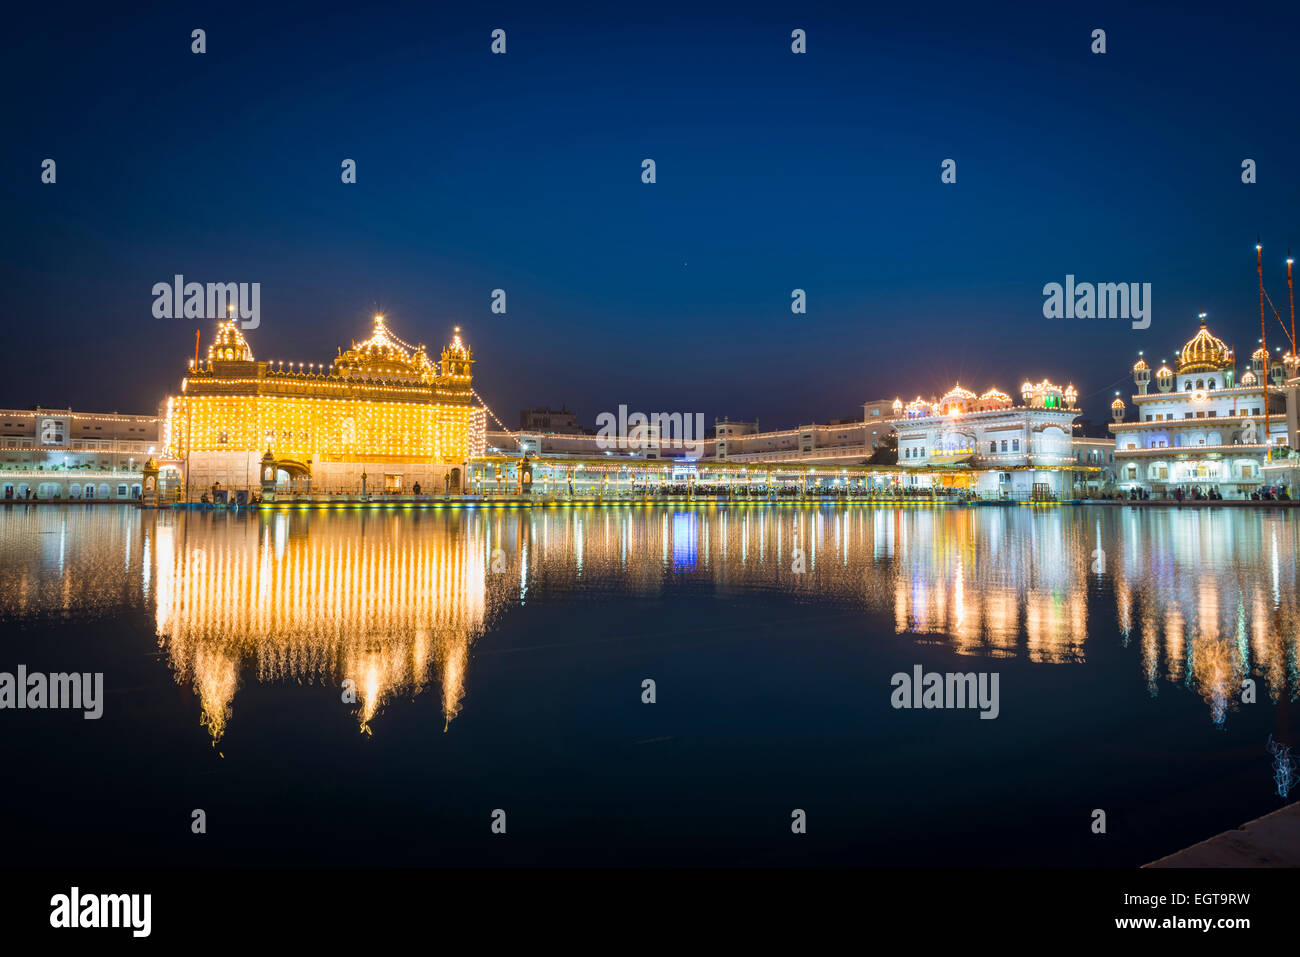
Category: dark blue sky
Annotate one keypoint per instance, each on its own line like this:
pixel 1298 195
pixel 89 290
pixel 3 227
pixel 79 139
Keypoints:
pixel 522 171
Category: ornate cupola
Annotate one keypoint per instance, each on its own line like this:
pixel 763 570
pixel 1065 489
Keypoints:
pixel 1277 369
pixel 457 360
pixel 1142 375
pixel 955 400
pixel 229 345
pixel 1258 359
pixel 1117 409
pixel 995 398
pixel 1164 378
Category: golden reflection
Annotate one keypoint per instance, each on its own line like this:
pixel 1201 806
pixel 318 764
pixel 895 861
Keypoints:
pixel 355 602
pixel 382 605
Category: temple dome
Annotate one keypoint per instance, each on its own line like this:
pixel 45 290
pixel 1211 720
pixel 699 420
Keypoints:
pixel 229 344
pixel 1204 352
pixel 384 356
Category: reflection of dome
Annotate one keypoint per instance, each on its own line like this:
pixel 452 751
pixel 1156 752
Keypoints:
pixel 1140 365
pixel 1248 378
pixel 1204 353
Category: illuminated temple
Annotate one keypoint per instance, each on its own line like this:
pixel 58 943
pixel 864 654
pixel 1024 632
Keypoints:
pixel 380 417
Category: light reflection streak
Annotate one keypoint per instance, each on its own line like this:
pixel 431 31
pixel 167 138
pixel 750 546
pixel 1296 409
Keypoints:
pixel 394 602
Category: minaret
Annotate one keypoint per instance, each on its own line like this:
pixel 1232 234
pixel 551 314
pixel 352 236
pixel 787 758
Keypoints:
pixel 457 360
pixel 1164 377
pixel 1141 375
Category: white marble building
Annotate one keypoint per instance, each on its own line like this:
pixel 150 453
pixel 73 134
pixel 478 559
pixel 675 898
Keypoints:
pixel 1203 427
pixel 989 444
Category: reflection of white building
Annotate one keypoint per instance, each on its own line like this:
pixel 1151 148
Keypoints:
pixel 1003 449
pixel 1202 427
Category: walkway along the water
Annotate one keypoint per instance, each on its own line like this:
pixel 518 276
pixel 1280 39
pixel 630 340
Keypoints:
pixel 1270 841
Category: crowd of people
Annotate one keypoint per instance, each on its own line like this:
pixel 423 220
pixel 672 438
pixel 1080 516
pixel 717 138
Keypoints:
pixel 1211 493
pixel 796 491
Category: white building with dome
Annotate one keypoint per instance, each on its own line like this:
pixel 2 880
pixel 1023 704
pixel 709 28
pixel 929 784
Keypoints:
pixel 1006 450
pixel 1203 426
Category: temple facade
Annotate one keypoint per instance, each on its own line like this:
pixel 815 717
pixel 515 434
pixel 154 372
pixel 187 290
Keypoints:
pixel 1203 427
pixel 381 417
pixel 992 445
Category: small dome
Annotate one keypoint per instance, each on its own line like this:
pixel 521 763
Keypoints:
pixel 230 344
pixel 1164 372
pixel 1249 378
pixel 1260 353
pixel 995 395
pixel 956 395
pixel 1118 403
pixel 1140 365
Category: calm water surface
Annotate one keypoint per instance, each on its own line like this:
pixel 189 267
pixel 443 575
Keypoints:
pixel 498 659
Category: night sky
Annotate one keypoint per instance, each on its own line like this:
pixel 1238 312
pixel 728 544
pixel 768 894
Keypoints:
pixel 523 171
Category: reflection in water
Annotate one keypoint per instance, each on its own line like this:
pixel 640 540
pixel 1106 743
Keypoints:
pixel 393 601
pixel 354 602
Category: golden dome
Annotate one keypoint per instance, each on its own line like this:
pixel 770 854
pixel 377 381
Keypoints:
pixel 1140 365
pixel 1204 353
pixel 1164 372
pixel 995 395
pixel 1249 378
pixel 230 344
pixel 384 356
pixel 1117 404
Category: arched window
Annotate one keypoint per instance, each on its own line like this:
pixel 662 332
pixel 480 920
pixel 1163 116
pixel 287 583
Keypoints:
pixel 1211 384
pixel 1200 383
